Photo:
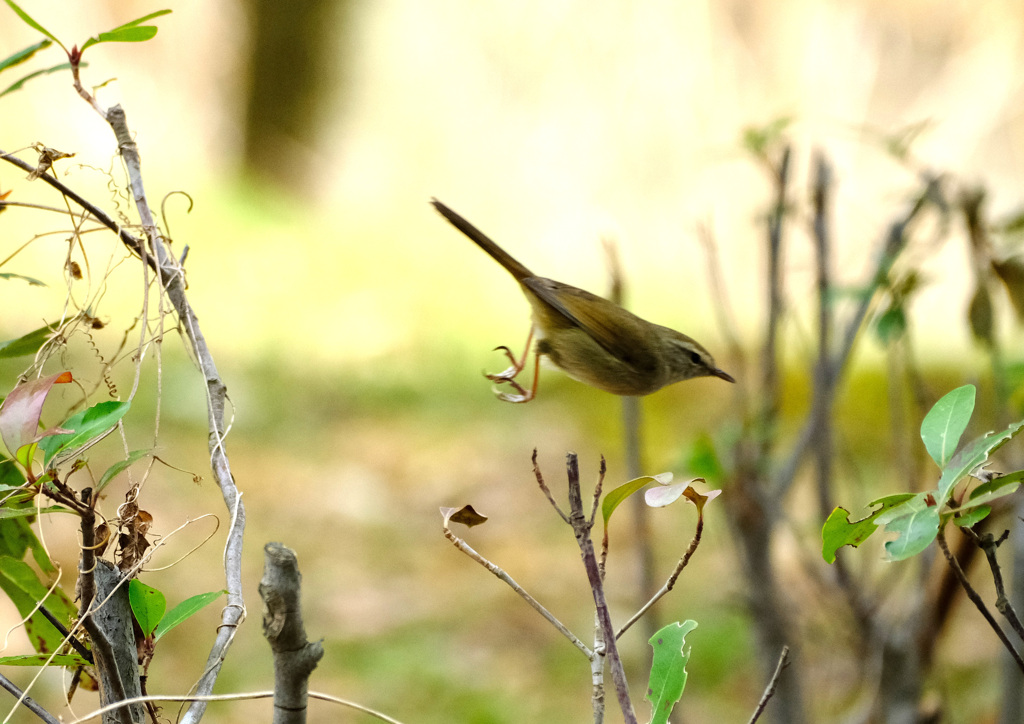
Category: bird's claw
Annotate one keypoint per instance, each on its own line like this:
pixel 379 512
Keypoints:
pixel 522 396
pixel 509 374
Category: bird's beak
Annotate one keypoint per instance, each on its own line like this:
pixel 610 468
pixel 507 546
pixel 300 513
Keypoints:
pixel 723 375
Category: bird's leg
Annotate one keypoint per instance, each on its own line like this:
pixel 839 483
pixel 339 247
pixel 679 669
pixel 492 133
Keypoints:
pixel 524 395
pixel 517 364
pixel 508 375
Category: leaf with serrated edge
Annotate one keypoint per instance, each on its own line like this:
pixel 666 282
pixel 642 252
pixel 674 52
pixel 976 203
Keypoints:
pixel 839 531
pixel 945 423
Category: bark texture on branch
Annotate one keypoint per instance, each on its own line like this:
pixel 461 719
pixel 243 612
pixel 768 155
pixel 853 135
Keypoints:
pixel 295 656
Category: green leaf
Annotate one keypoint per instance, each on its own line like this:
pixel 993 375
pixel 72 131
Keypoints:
pixel 22 585
pixel 992 490
pixel 62 660
pixel 117 468
pixel 615 497
pixel 17 537
pixel 971 517
pixel 971 456
pixel 997 484
pixel 668 669
pixel 131 32
pixel 32 23
pixel 838 531
pixel 85 426
pixel 915 523
pixel 945 423
pixel 26 344
pixel 185 610
pixel 23 55
pixel 147 603
pixel 11 275
pixel 17 85
pixel 8 513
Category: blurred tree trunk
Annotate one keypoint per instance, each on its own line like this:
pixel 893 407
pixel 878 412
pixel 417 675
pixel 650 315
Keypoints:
pixel 293 78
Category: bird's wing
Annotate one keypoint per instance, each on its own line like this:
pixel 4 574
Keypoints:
pixel 624 335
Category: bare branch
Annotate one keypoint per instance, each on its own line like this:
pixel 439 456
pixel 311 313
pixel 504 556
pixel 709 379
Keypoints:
pixel 976 599
pixel 523 593
pixel 770 689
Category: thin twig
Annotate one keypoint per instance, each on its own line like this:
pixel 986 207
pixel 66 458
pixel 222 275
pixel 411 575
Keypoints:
pixel 77 645
pixel 671 581
pixel 990 544
pixel 129 239
pixel 545 489
pixel 511 582
pixel 770 689
pixel 27 701
pixel 976 599
pixel 597 492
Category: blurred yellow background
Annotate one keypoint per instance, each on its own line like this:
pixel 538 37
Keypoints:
pixel 351 323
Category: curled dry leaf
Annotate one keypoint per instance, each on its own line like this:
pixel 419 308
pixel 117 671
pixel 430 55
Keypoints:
pixel 46 158
pixel 465 515
pixel 132 543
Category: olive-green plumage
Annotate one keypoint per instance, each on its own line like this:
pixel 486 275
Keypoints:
pixel 594 340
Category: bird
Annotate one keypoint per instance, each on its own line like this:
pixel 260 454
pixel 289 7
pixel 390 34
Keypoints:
pixel 590 338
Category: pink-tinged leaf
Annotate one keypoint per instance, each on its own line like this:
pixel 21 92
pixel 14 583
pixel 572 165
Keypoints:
pixel 659 497
pixel 19 415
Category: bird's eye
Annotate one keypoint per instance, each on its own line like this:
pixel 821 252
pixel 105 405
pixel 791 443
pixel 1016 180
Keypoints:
pixel 694 357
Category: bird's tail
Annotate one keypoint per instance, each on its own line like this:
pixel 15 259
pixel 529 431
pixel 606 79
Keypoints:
pixel 501 256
